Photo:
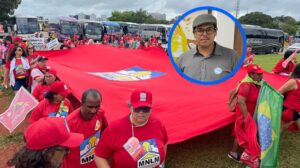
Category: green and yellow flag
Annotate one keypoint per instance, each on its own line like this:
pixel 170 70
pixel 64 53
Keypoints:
pixel 268 117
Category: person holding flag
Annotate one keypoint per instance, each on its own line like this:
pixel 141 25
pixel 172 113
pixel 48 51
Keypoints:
pixel 136 140
pixel 55 103
pixel 90 121
pixel 285 65
pixel 245 128
pixel 291 104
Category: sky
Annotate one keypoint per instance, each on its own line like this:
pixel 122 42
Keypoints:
pixel 172 8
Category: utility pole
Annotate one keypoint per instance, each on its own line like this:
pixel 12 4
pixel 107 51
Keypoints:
pixel 237 8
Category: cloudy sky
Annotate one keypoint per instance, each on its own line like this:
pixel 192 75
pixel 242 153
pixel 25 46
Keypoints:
pixel 172 8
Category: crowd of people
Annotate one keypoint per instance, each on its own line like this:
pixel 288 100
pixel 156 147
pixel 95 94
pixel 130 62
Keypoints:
pixel 62 135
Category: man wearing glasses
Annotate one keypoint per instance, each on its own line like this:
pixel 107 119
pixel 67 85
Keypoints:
pixel 208 61
pixel 137 140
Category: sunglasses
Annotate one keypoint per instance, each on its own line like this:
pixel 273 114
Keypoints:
pixel 142 109
pixel 30 47
pixel 19 49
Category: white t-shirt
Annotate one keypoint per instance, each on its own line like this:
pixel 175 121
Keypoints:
pixel 35 72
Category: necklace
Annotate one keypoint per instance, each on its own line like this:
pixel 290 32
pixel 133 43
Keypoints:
pixel 132 126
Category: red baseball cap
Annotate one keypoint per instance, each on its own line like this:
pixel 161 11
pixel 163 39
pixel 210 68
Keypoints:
pixel 18 39
pixel 140 98
pixel 60 88
pixel 51 131
pixel 51 71
pixel 255 68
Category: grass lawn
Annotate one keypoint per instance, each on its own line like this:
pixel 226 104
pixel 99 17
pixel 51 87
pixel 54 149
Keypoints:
pixel 210 150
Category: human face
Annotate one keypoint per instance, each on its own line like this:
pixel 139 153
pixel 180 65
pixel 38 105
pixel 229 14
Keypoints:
pixel 205 35
pixel 59 98
pixel 30 49
pixel 90 107
pixel 249 49
pixel 58 156
pixel 140 115
pixel 49 78
pixel 42 64
pixel 19 51
pixel 256 77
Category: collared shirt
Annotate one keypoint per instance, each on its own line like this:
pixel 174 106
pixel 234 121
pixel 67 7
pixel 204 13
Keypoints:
pixel 219 64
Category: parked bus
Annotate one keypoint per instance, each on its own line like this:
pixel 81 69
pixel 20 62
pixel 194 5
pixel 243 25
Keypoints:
pixel 91 29
pixel 65 27
pixel 24 26
pixel 111 28
pixel 264 40
pixel 155 30
pixel 129 27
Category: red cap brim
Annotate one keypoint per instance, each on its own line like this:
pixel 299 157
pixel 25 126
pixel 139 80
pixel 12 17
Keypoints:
pixel 141 104
pixel 74 140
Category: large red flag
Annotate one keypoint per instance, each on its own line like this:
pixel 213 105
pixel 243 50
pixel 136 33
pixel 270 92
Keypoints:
pixel 187 109
pixel 21 105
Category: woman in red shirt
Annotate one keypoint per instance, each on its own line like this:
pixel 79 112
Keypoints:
pixel 41 89
pixel 55 103
pixel 31 55
pixel 17 69
pixel 291 103
pixel 280 69
pixel 136 140
pixel 245 129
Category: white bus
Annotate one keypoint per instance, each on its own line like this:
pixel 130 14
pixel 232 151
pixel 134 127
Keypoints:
pixel 155 30
pixel 91 29
pixel 24 25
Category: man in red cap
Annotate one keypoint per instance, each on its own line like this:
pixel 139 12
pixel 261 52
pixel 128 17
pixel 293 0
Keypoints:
pixel 88 120
pixel 245 129
pixel 47 143
pixel 42 88
pixel 137 140
pixel 54 104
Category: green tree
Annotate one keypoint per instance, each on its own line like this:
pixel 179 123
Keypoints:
pixel 258 18
pixel 8 7
pixel 139 16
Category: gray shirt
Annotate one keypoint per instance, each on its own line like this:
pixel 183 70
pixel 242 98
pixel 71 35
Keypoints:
pixel 219 64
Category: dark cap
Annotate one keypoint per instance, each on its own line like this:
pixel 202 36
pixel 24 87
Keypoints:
pixel 204 19
pixel 41 59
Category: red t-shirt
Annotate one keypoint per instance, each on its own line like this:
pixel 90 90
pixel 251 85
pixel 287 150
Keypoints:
pixel 83 156
pixel 279 68
pixel 250 91
pixel 19 71
pixel 152 136
pixel 45 109
pixel 40 90
pixel 32 57
pixel 248 55
pixel 292 98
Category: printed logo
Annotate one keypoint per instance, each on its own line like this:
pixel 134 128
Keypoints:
pixel 151 157
pixel 218 70
pixel 131 74
pixel 87 148
pixel 143 96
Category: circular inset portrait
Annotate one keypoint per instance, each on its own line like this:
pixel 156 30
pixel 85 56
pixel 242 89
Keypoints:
pixel 207 45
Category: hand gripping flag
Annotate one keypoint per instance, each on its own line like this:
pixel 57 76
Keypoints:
pixel 268 117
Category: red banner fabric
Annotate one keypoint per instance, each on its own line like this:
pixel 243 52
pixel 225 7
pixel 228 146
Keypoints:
pixel 187 109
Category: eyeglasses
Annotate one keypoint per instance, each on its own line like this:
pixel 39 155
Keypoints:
pixel 208 31
pixel 142 109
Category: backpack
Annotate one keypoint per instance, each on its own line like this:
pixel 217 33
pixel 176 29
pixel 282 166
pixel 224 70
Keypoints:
pixel 232 100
